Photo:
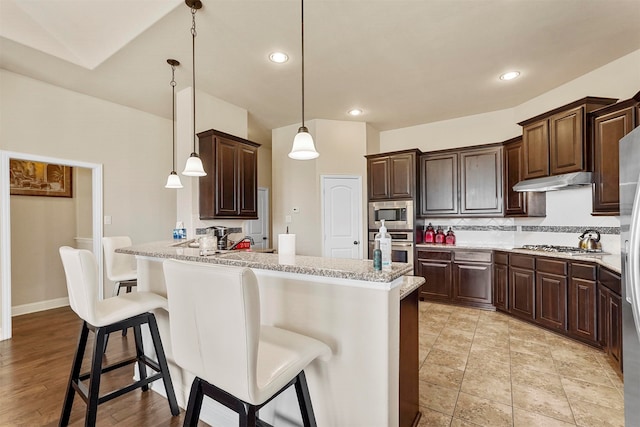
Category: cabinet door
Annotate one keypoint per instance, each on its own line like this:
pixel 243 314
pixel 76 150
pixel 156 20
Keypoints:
pixel 501 287
pixel 472 283
pixel 615 328
pixel 379 178
pixel 582 309
pixel 439 176
pixel 551 300
pixel 608 129
pixel 226 163
pixel 481 181
pixel 603 318
pixel 247 182
pixel 402 176
pixel 438 285
pixel 521 292
pixel 535 139
pixel 513 173
pixel 567 144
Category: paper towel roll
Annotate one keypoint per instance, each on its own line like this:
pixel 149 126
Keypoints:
pixel 287 244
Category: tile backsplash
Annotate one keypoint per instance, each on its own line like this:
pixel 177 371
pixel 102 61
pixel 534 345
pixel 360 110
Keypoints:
pixel 568 215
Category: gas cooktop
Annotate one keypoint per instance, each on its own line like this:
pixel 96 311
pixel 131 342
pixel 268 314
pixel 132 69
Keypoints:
pixel 569 250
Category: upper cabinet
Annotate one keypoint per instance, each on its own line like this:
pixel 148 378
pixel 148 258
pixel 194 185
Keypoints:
pixel 462 182
pixel 392 175
pixel 608 125
pixel 519 203
pixel 555 142
pixel 230 188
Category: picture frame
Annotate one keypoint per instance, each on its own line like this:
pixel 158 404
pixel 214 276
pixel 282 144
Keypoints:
pixel 29 178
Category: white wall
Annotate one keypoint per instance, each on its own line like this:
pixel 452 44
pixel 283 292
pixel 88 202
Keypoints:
pixel 342 147
pixel 134 147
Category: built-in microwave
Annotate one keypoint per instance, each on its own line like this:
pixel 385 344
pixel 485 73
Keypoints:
pixel 397 214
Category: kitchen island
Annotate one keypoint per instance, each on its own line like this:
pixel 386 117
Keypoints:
pixel 344 303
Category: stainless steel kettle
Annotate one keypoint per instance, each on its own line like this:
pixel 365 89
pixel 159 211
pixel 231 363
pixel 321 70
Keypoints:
pixel 588 242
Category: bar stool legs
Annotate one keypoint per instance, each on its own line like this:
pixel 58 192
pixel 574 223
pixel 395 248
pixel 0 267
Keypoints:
pixel 248 414
pixel 91 396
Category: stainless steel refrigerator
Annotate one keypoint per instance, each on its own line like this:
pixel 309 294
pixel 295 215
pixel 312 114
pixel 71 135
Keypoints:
pixel 630 254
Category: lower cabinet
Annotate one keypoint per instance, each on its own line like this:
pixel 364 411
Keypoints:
pixel 409 361
pixel 460 276
pixel 583 302
pixel 522 286
pixel 551 293
pixel 610 314
pixel 501 281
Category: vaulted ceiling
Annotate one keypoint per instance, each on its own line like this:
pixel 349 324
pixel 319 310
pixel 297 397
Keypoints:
pixel 404 62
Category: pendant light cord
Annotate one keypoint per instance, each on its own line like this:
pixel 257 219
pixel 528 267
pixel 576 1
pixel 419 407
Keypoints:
pixel 173 122
pixel 193 70
pixel 302 43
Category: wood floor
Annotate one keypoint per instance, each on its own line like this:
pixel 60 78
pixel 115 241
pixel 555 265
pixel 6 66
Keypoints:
pixel 34 370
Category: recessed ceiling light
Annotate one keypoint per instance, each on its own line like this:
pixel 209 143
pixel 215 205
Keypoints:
pixel 279 57
pixel 355 112
pixel 510 75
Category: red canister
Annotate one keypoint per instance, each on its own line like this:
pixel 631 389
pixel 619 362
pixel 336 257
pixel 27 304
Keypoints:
pixel 429 234
pixel 440 237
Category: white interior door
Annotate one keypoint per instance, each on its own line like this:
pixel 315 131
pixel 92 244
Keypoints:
pixel 342 216
pixel 258 229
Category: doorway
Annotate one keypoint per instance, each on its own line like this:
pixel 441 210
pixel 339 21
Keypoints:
pixel 258 229
pixel 5 226
pixel 342 216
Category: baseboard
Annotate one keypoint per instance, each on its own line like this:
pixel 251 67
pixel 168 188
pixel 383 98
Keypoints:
pixel 33 307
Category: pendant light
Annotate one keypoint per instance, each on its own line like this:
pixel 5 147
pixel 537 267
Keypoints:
pixel 173 181
pixel 303 147
pixel 194 164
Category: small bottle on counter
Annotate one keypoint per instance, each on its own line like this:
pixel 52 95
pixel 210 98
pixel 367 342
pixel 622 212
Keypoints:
pixel 429 234
pixel 450 238
pixel 440 237
pixel 377 256
pixel 384 240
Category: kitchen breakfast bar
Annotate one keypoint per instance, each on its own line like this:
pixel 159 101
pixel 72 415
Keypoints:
pixel 355 310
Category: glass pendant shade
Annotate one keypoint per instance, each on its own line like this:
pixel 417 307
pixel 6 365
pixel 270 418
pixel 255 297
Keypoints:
pixel 303 147
pixel 173 181
pixel 194 166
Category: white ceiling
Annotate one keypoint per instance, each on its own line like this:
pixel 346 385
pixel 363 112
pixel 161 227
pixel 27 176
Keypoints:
pixel 404 62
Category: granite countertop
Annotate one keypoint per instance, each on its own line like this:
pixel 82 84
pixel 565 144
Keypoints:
pixel 353 269
pixel 410 284
pixel 610 261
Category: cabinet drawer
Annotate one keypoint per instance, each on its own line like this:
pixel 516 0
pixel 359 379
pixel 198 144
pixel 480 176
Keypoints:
pixel 475 256
pixel 610 279
pixel 583 271
pixel 501 258
pixel 552 266
pixel 522 261
pixel 439 255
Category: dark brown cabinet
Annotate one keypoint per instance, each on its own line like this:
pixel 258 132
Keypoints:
pixel 501 281
pixel 582 302
pixel 519 203
pixel 409 384
pixel 462 182
pixel 610 314
pixel 439 184
pixel 230 188
pixel 551 293
pixel 472 278
pixel 436 268
pixel 522 286
pixel 556 142
pixel 392 175
pixel 609 124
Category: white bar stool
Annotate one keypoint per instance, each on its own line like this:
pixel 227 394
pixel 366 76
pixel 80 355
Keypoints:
pixel 121 268
pixel 216 334
pixel 103 317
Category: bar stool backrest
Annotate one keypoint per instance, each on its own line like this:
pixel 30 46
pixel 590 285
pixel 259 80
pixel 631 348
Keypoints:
pixel 81 271
pixel 118 266
pixel 215 323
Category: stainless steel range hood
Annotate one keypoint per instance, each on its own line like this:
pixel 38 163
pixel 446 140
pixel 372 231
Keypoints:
pixel 556 182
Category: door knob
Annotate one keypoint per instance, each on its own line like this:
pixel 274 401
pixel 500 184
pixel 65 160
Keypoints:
pixel 355 242
pixel 264 238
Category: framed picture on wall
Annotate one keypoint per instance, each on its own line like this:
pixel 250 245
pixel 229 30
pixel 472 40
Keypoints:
pixel 28 178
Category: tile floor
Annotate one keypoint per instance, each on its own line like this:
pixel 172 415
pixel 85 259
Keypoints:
pixel 482 368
